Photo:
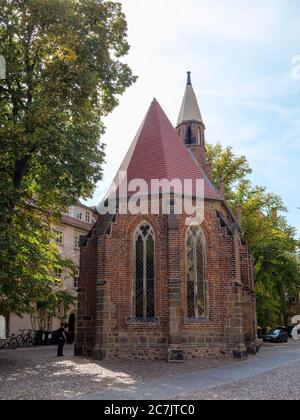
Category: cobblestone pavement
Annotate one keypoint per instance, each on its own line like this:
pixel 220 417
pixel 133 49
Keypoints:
pixel 280 384
pixel 38 374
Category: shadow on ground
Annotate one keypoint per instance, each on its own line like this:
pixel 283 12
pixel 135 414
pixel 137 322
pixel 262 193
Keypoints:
pixel 37 374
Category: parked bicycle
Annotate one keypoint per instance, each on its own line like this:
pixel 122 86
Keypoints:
pixel 26 338
pixel 9 343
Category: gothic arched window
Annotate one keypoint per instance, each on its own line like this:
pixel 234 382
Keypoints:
pixel 190 139
pixel 196 267
pixel 200 139
pixel 144 272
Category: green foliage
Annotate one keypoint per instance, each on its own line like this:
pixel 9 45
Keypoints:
pixel 29 258
pixel 227 167
pixel 268 307
pixel 64 73
pixel 54 304
pixel 272 241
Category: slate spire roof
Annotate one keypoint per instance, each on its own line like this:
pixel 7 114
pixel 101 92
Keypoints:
pixel 157 152
pixel 190 110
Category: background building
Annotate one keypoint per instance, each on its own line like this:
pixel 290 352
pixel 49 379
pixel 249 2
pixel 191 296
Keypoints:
pixel 77 222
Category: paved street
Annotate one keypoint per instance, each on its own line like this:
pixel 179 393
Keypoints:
pixel 38 374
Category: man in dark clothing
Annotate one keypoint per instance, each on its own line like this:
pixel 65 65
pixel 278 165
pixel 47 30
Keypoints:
pixel 61 335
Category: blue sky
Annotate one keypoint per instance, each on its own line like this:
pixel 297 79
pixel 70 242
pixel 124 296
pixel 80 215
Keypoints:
pixel 240 54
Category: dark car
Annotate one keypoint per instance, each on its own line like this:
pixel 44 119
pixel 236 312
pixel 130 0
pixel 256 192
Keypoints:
pixel 288 330
pixel 277 336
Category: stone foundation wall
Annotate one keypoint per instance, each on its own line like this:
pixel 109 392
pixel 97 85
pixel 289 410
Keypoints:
pixel 153 353
pixel 160 353
pixel 212 350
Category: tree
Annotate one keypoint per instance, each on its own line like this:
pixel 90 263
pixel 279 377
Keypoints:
pixel 272 241
pixel 228 167
pixel 63 74
pixel 53 304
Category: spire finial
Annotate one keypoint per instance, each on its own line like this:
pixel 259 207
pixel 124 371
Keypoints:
pixel 189 79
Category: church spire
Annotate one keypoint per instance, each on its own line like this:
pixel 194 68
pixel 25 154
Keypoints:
pixel 189 109
pixel 190 126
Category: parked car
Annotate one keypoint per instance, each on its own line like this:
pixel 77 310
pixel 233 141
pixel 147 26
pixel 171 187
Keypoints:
pixel 277 336
pixel 288 330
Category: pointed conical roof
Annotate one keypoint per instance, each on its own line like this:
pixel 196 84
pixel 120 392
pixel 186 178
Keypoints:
pixel 158 153
pixel 190 110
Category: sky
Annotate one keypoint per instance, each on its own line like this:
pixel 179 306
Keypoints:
pixel 244 57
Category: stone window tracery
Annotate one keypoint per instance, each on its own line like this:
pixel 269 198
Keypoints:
pixel 196 267
pixel 144 272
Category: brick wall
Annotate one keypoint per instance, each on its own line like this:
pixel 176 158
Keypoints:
pixel 86 307
pixel 105 313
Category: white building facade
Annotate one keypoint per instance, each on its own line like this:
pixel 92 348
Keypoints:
pixel 78 222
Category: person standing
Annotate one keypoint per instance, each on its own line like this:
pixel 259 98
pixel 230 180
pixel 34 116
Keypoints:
pixel 61 335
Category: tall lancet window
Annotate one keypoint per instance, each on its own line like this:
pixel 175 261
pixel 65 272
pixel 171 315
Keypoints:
pixel 196 268
pixel 144 272
pixel 190 139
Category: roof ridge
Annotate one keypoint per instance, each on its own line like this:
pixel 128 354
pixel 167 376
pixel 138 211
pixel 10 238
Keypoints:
pixel 158 110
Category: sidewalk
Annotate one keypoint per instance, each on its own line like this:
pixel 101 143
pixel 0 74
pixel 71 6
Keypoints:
pixel 270 358
pixel 36 373
pixel 39 350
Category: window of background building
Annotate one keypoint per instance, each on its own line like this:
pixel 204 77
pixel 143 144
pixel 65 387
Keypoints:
pixel 76 279
pixel 76 241
pixel 58 273
pixel 59 237
pixel 88 217
pixel 61 309
pixel 78 214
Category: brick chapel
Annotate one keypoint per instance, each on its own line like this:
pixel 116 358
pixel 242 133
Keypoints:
pixel 154 287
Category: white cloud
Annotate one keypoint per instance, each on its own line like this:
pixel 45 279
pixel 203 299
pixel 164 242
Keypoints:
pixel 159 21
pixel 240 53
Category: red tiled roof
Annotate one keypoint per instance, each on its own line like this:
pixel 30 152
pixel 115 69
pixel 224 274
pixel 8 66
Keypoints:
pixel 157 152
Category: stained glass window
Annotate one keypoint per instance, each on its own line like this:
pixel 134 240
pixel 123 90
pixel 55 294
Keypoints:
pixel 196 282
pixel 144 287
